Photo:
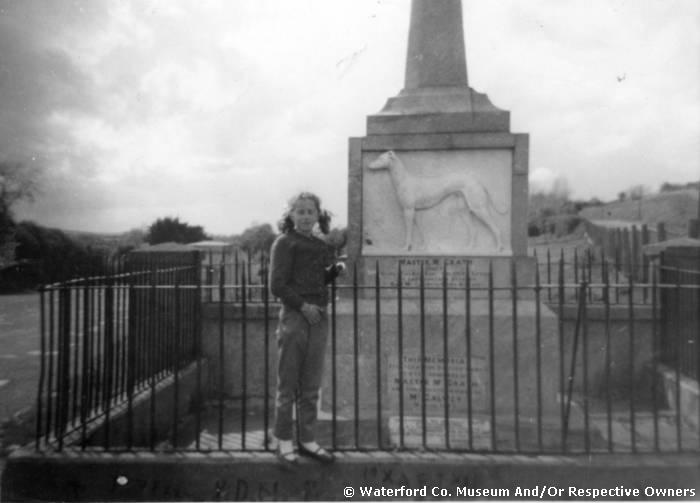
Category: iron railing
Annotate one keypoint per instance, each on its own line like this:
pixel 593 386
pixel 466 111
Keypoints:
pixel 232 266
pixel 680 337
pixel 625 395
pixel 549 367
pixel 107 339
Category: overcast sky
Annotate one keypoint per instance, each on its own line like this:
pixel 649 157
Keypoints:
pixel 217 111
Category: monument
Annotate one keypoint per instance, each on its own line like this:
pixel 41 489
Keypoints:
pixel 438 197
pixel 439 180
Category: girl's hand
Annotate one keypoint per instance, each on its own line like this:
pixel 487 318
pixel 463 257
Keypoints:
pixel 311 312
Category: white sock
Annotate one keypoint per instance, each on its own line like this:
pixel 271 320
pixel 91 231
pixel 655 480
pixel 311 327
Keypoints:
pixel 286 446
pixel 311 446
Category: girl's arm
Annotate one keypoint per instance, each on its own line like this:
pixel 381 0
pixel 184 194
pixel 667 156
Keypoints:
pixel 281 263
pixel 333 267
pixel 333 271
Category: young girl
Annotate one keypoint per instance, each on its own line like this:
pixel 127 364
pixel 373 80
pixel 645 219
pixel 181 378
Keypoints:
pixel 301 266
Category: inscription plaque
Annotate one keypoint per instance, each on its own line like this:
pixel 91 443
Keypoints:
pixel 456 389
pixel 434 268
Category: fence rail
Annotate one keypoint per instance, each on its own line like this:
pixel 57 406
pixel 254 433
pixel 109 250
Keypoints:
pixel 549 367
pixel 106 339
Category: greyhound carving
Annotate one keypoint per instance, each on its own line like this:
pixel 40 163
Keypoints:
pixel 423 192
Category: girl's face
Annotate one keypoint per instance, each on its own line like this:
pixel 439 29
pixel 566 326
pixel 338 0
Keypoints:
pixel 304 214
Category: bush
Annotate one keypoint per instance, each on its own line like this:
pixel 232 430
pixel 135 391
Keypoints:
pixel 168 229
pixel 533 230
pixel 49 255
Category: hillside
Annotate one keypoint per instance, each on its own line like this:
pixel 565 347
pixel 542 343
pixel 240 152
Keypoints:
pixel 674 209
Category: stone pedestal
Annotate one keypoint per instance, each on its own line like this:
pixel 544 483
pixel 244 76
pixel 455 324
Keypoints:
pixel 491 372
pixel 438 192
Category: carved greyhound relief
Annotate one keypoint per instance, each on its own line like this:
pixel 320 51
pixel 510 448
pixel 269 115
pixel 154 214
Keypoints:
pixel 423 192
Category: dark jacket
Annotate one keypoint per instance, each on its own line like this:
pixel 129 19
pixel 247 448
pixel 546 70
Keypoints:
pixel 300 268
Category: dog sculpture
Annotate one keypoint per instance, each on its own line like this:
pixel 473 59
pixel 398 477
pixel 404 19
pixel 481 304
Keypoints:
pixel 423 192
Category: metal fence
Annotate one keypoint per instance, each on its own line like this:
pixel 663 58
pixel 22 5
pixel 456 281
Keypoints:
pixel 575 266
pixel 572 265
pixel 625 245
pixel 105 339
pixel 680 307
pixel 235 267
pixel 562 366
pixel 634 416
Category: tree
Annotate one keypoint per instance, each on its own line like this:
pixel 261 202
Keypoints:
pixel 637 192
pixel 668 187
pixel 16 183
pixel 257 238
pixel 168 229
pixel 560 188
pixel 50 255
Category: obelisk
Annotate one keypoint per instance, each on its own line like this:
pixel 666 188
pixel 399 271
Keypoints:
pixel 436 96
pixel 436 56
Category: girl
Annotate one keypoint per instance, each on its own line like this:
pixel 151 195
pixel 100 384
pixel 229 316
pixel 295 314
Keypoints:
pixel 301 265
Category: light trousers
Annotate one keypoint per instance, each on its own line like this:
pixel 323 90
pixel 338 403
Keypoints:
pixel 301 352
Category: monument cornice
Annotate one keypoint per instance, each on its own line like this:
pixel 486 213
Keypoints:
pixel 439 99
pixel 438 122
pixel 440 141
pixel 444 109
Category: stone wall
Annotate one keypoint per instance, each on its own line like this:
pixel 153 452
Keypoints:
pixel 624 368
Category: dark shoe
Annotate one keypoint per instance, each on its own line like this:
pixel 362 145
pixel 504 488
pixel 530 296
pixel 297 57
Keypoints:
pixel 319 454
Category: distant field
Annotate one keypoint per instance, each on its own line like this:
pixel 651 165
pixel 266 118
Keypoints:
pixel 674 209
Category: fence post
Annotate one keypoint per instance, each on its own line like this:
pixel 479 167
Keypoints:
pixel 660 232
pixel 42 365
pixel 63 396
pixel 538 363
pixel 516 390
pixel 626 251
pixel 244 353
pixel 645 261
pixel 609 242
pixel 399 340
pixel 445 356
pixel 132 362
pixel 636 253
pixel 151 358
pixel 222 356
pixel 109 355
pixel 378 361
pixel 561 299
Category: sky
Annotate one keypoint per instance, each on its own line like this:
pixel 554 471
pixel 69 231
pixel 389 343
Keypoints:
pixel 218 111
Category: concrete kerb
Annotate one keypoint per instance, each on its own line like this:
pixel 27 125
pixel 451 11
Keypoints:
pixel 257 476
pixel 688 395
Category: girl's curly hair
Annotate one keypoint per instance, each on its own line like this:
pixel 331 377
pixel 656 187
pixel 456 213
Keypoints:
pixel 324 217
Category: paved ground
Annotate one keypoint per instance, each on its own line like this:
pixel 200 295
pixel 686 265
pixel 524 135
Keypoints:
pixel 19 365
pixel 19 358
pixel 145 476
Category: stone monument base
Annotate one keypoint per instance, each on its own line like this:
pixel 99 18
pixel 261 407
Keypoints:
pixel 482 359
pixel 463 433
